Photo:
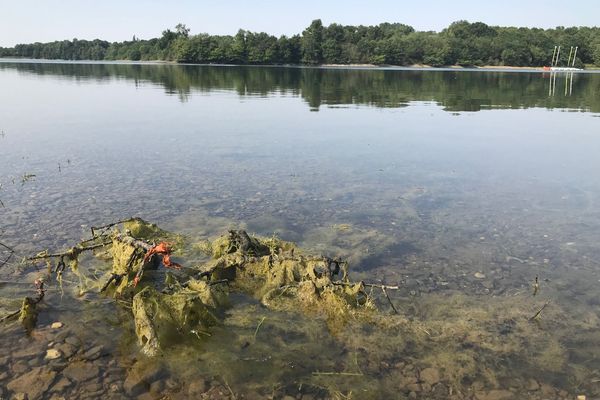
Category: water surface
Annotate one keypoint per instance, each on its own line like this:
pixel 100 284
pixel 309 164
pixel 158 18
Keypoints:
pixel 427 179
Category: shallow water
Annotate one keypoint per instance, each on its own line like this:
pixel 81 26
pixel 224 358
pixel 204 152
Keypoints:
pixel 419 178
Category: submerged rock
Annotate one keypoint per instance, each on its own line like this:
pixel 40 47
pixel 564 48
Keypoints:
pixel 431 376
pixel 495 395
pixel 140 377
pixel 81 371
pixel 52 354
pixel 34 383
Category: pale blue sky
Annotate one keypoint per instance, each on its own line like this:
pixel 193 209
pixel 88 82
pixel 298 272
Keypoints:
pixel 24 21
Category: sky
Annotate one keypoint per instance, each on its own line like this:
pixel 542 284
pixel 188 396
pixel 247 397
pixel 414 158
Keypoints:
pixel 25 21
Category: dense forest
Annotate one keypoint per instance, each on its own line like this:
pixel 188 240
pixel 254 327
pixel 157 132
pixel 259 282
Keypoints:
pixel 461 43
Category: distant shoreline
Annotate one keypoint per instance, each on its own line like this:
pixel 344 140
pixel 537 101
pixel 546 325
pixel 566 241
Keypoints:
pixel 501 68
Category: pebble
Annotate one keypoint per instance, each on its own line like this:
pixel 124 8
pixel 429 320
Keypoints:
pixel 93 353
pixel 159 386
pixel 61 385
pixel 72 340
pixel 67 349
pixel 20 367
pixel 479 275
pixel 115 388
pixel 431 376
pixel 532 385
pixel 52 354
pixel 35 362
pixel 139 378
pixel 172 384
pixel 495 395
pixel 93 387
pixel 56 325
pixel 547 390
pixel 197 388
pixel 440 391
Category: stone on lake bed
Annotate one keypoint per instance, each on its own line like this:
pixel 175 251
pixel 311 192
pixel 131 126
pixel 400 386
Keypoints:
pixel 52 354
pixel 479 275
pixel 81 371
pixel 34 383
pixel 495 394
pixel 56 325
pixel 430 376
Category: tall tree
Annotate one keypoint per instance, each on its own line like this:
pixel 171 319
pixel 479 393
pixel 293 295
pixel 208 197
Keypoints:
pixel 312 43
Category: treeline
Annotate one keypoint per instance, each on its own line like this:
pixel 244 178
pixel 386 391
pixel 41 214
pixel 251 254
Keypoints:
pixel 462 43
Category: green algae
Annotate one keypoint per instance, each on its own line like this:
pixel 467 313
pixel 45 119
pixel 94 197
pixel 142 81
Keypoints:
pixel 28 314
pixel 270 270
pixel 160 318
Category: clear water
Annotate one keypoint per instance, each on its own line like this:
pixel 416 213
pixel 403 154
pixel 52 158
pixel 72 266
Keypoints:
pixel 440 175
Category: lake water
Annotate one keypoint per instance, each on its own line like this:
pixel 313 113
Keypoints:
pixel 459 186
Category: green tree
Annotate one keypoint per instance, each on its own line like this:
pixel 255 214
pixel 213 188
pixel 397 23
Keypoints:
pixel 182 31
pixel 312 43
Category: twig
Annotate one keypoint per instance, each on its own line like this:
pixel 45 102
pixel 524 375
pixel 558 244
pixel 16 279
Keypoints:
pixel 211 283
pixel 9 316
pixel 229 387
pixel 258 327
pixel 105 227
pixel 356 362
pixel 73 251
pixel 424 330
pixel 197 332
pixel 376 285
pixel 338 373
pixel 113 277
pixel 10 251
pixel 537 314
pixel 367 284
pixel 390 300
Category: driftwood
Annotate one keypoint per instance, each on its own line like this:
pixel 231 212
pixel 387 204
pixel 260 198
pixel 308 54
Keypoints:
pixel 537 314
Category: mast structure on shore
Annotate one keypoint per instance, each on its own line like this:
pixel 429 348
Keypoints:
pixel 570 60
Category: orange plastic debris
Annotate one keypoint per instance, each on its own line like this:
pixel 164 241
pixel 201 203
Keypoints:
pixel 164 249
